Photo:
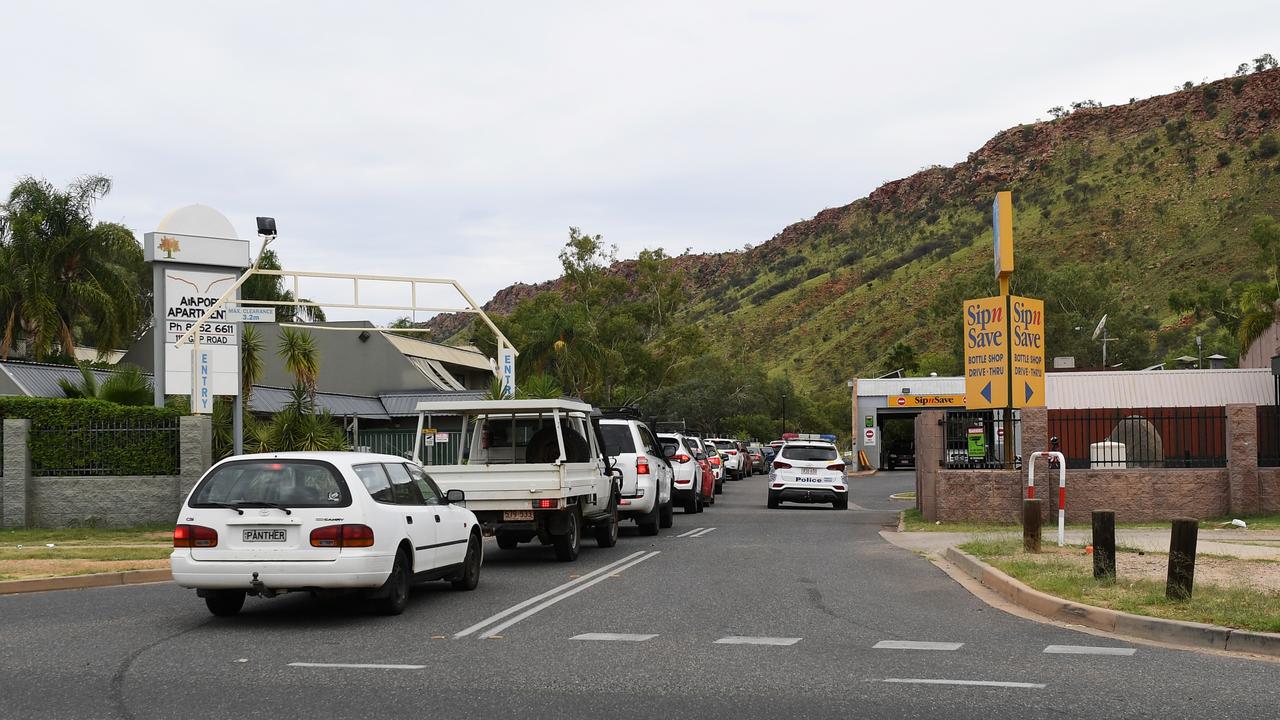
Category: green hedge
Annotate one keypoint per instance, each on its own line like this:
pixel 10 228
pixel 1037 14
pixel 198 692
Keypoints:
pixel 94 437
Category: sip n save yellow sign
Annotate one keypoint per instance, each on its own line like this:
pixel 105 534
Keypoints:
pixel 926 401
pixel 1026 336
pixel 986 353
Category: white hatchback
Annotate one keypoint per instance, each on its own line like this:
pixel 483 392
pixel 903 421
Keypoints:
pixel 808 471
pixel 325 521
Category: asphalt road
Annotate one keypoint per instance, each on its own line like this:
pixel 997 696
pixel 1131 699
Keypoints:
pixel 809 593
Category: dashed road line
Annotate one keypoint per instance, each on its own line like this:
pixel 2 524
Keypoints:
pixel 578 587
pixel 915 645
pixel 1088 650
pixel 702 534
pixel 687 534
pixel 971 683
pixel 520 606
pixel 358 666
pixel 746 640
pixel 613 637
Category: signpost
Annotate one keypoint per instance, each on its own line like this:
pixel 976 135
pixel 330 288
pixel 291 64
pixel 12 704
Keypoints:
pixel 1004 339
pixel 869 437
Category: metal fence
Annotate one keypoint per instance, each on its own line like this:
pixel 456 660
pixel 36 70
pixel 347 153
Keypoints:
pixel 120 448
pixel 1268 436
pixel 399 441
pixel 1192 437
pixel 975 440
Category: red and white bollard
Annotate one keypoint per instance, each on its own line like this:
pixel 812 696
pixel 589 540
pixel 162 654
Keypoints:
pixel 1062 488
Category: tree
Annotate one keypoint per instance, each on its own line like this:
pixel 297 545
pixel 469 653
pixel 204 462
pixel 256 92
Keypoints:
pixel 1264 62
pixel 65 272
pixel 903 356
pixel 126 386
pixel 301 358
pixel 250 361
pixel 271 287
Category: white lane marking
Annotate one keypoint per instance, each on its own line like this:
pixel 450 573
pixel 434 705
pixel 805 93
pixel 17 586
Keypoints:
pixel 746 640
pixel 567 594
pixel 915 645
pixel 362 666
pixel 703 533
pixel 687 534
pixel 976 683
pixel 613 637
pixel 520 606
pixel 1088 650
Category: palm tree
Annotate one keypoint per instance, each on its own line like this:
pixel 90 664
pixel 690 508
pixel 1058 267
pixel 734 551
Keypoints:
pixel 271 287
pixel 250 361
pixel 298 350
pixel 63 271
pixel 126 386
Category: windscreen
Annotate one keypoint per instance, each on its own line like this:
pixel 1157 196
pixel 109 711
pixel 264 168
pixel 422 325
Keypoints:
pixel 808 452
pixel 617 439
pixel 292 483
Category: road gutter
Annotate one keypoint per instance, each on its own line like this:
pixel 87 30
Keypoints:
pixel 1178 633
pixel 78 582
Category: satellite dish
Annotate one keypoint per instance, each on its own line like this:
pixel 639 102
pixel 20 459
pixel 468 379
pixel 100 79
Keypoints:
pixel 1102 325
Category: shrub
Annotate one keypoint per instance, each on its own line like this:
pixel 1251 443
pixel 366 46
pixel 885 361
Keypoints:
pixel 1267 148
pixel 1237 85
pixel 1224 158
pixel 64 436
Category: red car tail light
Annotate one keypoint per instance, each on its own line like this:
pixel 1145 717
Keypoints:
pixel 681 458
pixel 733 452
pixel 545 504
pixel 836 466
pixel 193 536
pixel 779 465
pixel 778 486
pixel 342 536
pixel 715 461
pixel 839 487
pixel 642 466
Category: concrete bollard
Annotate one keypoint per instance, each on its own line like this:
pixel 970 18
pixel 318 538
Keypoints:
pixel 1182 558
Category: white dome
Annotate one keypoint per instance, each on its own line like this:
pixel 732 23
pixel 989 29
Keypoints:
pixel 198 220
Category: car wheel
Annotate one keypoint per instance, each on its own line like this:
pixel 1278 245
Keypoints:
pixel 841 503
pixel 701 505
pixel 224 603
pixel 507 541
pixel 773 500
pixel 649 523
pixel 607 534
pixel 569 543
pixel 470 576
pixel 396 589
pixel 692 504
pixel 666 515
pixel 720 487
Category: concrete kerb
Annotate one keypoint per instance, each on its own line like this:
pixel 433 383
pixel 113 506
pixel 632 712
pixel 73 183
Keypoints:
pixel 1172 632
pixel 79 582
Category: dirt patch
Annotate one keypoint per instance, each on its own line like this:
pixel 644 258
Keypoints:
pixel 40 568
pixel 1225 572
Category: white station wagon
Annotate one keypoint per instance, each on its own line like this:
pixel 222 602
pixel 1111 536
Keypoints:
pixel 325 521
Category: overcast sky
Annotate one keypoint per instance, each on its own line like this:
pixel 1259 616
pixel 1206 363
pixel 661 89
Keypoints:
pixel 463 139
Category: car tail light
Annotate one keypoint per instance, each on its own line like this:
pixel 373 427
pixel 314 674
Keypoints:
pixel 839 487
pixel 642 466
pixel 546 504
pixel 193 536
pixel 350 535
pixel 779 465
pixel 681 458
pixel 715 461
pixel 778 486
pixel 836 466
pixel 733 452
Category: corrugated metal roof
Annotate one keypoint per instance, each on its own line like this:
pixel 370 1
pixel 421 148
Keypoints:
pixel 401 405
pixel 41 380
pixel 1159 388
pixel 435 373
pixel 444 353
pixel 918 386
pixel 273 399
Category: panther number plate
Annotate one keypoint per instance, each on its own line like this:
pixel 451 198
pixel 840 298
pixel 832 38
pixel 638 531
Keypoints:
pixel 264 535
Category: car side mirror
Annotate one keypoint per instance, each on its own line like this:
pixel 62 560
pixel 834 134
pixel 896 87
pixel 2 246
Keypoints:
pixel 455 496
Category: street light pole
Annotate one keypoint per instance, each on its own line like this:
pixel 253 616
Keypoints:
pixel 784 416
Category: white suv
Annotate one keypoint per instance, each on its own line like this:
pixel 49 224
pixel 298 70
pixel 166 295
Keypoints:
pixel 736 463
pixel 323 521
pixel 687 480
pixel 808 471
pixel 646 474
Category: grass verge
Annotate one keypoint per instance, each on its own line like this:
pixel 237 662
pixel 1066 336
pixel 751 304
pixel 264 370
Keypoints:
pixel 1059 572
pixel 143 535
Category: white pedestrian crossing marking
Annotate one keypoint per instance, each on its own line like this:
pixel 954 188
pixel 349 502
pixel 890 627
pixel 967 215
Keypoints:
pixel 746 640
pixel 915 645
pixel 613 637
pixel 702 533
pixel 1088 650
pixel 687 534
pixel 977 683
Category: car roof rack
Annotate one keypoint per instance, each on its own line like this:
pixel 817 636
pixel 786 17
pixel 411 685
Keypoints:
pixel 626 412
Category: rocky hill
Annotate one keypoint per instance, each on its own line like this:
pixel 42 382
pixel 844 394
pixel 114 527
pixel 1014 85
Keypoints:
pixel 1135 199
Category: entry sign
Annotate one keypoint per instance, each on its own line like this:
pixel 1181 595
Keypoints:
pixel 1026 318
pixel 986 353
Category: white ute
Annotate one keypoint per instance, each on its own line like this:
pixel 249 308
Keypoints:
pixel 321 522
pixel 531 469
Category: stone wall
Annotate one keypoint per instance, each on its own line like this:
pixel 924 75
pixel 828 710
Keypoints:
pixel 100 501
pixel 1269 482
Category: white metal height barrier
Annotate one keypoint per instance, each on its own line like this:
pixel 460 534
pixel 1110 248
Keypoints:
pixel 1062 488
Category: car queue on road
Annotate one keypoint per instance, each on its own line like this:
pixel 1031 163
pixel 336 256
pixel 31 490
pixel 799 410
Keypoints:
pixel 370 525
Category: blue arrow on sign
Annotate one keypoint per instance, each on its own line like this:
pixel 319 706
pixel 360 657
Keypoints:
pixel 986 392
pixel 1030 392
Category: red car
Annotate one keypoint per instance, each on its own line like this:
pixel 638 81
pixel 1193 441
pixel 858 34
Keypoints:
pixel 689 487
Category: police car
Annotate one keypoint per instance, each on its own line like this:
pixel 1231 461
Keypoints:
pixel 808 471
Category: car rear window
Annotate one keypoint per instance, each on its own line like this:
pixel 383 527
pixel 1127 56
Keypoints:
pixel 810 453
pixel 726 444
pixel 672 447
pixel 291 483
pixel 617 439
